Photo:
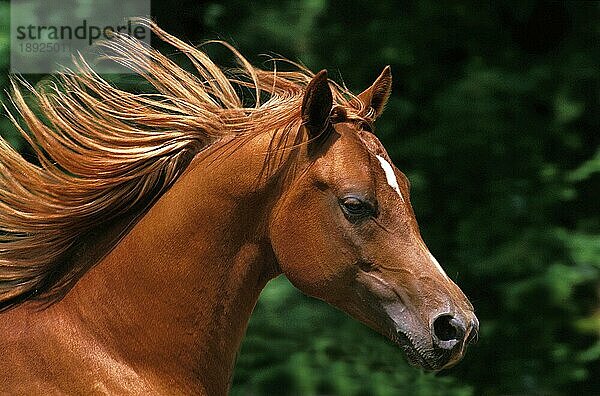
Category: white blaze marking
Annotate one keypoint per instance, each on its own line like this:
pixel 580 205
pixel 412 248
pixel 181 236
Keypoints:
pixel 390 175
pixel 439 267
pixel 433 259
pixel 393 182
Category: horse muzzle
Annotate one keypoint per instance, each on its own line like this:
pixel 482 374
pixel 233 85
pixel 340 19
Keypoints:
pixel 443 345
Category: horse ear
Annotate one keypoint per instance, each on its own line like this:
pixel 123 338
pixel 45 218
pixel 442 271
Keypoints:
pixel 377 95
pixel 317 104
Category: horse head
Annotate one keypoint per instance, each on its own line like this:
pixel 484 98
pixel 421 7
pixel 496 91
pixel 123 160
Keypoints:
pixel 344 231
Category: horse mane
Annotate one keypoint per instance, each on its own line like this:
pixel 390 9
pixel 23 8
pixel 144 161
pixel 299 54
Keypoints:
pixel 104 153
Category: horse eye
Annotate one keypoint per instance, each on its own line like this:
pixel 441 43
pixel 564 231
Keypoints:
pixel 356 209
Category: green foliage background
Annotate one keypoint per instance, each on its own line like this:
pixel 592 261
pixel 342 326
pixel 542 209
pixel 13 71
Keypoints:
pixel 494 118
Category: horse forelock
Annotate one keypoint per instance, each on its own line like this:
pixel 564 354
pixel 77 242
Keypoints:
pixel 105 154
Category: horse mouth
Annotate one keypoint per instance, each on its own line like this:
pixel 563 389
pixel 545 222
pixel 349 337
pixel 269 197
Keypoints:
pixel 418 358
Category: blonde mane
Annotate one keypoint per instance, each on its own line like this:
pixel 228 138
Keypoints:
pixel 105 153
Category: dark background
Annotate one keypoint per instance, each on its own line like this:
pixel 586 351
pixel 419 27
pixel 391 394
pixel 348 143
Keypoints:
pixel 494 118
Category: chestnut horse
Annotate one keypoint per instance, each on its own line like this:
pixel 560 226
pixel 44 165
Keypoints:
pixel 133 252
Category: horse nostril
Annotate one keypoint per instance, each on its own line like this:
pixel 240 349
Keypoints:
pixel 447 331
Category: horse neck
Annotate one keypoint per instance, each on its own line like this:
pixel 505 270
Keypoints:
pixel 177 292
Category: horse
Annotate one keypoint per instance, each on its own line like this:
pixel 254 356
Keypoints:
pixel 135 246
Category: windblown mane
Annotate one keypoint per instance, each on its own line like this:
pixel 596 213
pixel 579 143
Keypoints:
pixel 105 153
